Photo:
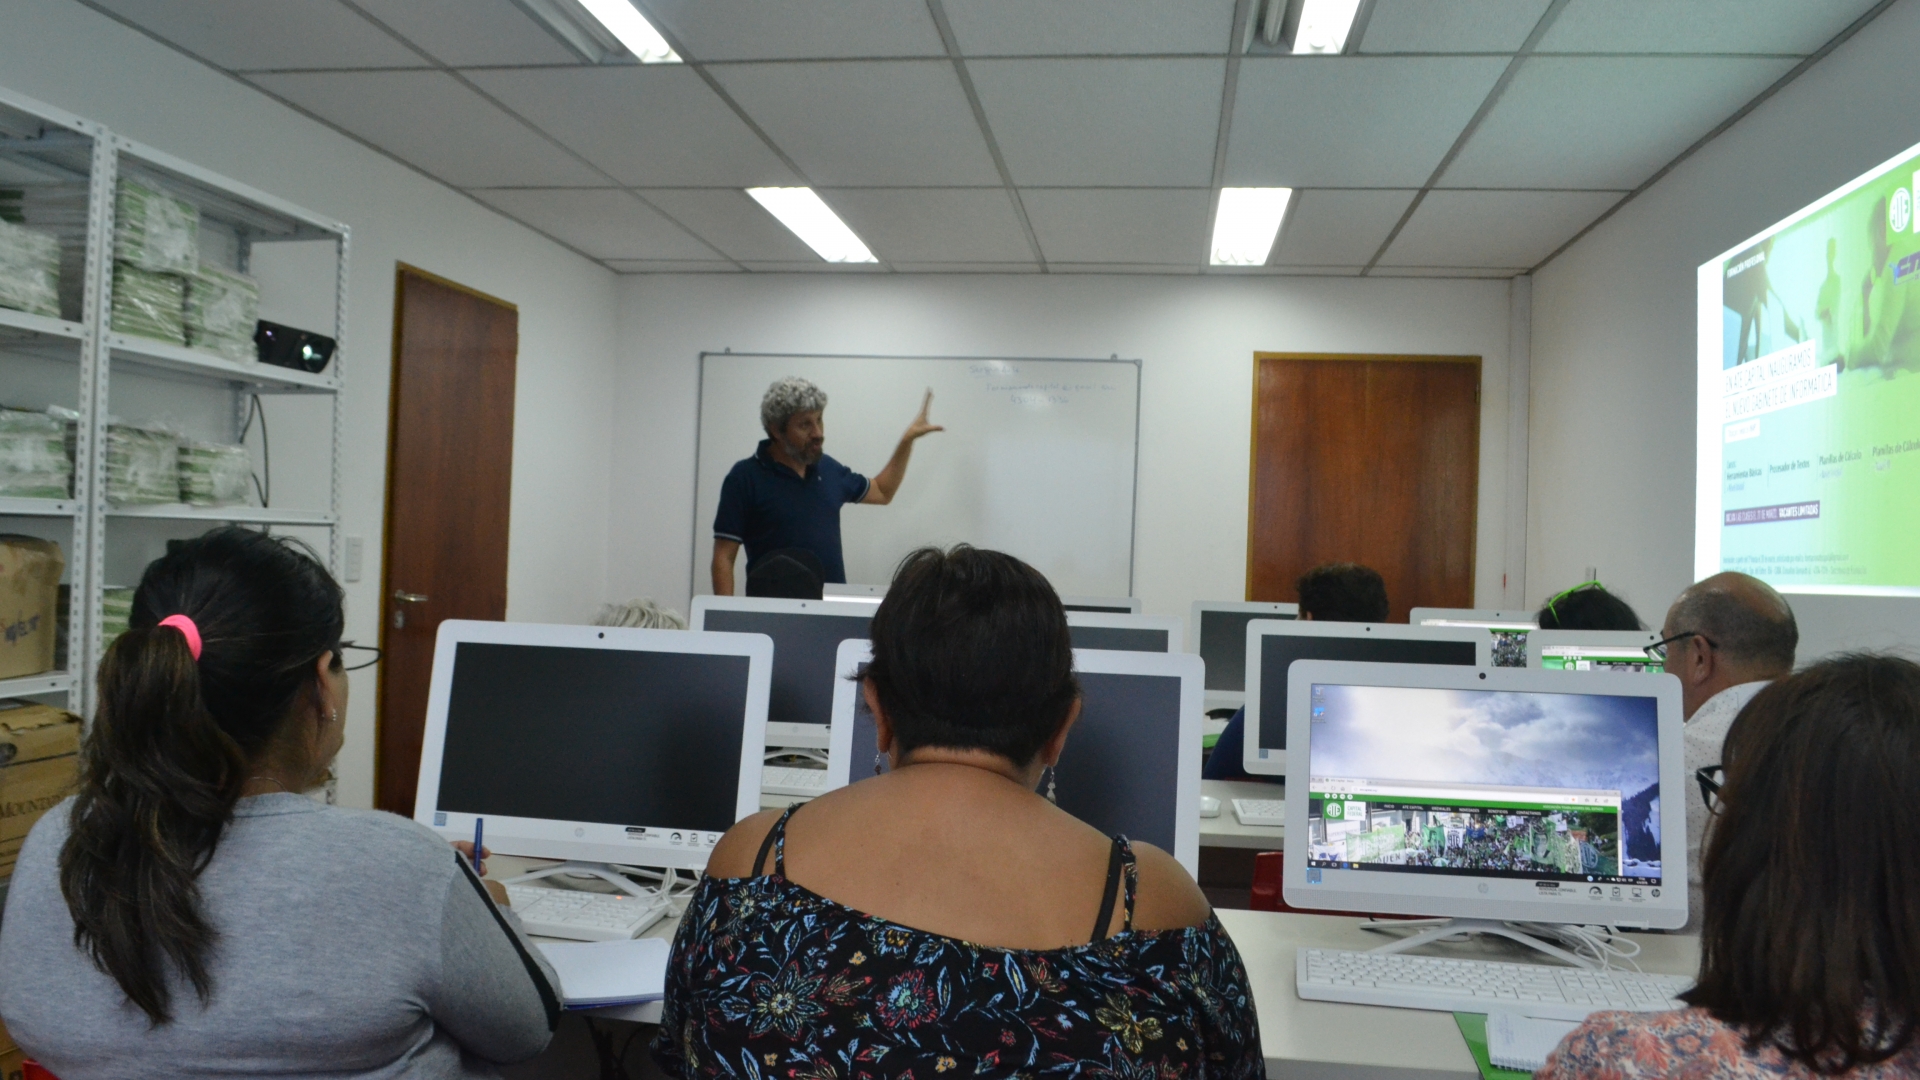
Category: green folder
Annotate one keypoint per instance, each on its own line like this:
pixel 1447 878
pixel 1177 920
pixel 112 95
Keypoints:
pixel 1473 1028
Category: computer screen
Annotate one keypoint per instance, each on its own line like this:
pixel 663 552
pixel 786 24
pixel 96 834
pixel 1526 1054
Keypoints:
pixel 1594 650
pixel 1117 605
pixel 1221 627
pixel 1275 646
pixel 1512 785
pixel 635 744
pixel 1130 633
pixel 806 635
pixel 1508 628
pixel 1132 762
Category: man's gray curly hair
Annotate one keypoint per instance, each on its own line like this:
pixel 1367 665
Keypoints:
pixel 786 397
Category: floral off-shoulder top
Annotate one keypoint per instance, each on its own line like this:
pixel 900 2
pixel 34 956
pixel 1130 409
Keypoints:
pixel 769 979
pixel 1688 1044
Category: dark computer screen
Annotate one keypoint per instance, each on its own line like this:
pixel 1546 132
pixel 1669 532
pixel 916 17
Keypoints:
pixel 1120 638
pixel 1223 645
pixel 1279 650
pixel 611 736
pixel 1104 609
pixel 804 648
pixel 1120 772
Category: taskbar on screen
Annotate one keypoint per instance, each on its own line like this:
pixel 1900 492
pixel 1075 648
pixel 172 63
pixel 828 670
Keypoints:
pixel 1465 871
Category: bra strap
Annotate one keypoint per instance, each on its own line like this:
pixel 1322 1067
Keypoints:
pixel 1118 858
pixel 777 840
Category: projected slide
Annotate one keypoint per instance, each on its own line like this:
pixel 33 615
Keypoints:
pixel 1809 421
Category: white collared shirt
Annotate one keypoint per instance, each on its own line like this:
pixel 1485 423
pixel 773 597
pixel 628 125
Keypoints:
pixel 1705 733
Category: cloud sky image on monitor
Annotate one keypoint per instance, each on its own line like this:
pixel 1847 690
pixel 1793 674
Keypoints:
pixel 1488 737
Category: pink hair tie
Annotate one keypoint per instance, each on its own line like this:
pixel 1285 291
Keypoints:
pixel 187 630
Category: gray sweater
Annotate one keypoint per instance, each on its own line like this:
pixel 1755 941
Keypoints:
pixel 351 944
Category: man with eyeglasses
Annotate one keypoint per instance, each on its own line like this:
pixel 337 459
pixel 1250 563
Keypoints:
pixel 1726 637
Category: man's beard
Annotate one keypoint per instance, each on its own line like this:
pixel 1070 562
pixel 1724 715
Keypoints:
pixel 804 453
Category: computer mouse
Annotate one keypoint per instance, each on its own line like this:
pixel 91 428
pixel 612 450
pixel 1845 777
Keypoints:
pixel 1209 806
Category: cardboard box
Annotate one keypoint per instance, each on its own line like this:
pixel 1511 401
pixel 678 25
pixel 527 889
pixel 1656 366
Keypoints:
pixel 29 604
pixel 40 745
pixel 30 731
pixel 13 1065
pixel 7 1045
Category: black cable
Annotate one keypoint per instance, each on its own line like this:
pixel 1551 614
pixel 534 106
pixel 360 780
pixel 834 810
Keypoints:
pixel 265 491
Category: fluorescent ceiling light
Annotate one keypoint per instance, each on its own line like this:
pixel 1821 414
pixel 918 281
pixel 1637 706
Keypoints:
pixel 1324 25
pixel 625 22
pixel 800 210
pixel 1246 223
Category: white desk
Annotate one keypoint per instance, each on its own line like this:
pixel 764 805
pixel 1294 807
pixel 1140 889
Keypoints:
pixel 502 867
pixel 1226 830
pixel 1324 1040
pixel 1308 1040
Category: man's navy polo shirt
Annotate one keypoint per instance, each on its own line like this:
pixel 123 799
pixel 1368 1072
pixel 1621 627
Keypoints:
pixel 766 507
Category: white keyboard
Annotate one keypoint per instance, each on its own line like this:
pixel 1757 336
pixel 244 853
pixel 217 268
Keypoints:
pixel 793 780
pixel 1260 811
pixel 583 916
pixel 1405 981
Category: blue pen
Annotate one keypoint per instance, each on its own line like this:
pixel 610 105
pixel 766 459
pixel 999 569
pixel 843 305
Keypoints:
pixel 479 825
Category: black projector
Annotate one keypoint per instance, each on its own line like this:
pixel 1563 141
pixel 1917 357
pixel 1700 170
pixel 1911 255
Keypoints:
pixel 285 346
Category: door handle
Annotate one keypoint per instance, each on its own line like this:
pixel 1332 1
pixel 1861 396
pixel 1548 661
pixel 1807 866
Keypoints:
pixel 402 597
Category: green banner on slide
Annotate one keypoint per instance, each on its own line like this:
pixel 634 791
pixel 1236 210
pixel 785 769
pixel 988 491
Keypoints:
pixel 1819 393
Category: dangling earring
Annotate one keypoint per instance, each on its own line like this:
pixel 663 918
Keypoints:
pixel 879 763
pixel 1053 773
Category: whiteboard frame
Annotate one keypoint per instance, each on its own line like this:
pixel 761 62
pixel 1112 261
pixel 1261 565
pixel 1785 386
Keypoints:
pixel 700 407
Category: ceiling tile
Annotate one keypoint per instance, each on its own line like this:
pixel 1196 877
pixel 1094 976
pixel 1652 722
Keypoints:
pixel 670 266
pixel 284 34
pixel 1085 122
pixel 1119 226
pixel 467 32
pixel 602 222
pixel 945 225
pixel 1700 26
pixel 967 268
pixel 732 222
pixel 1352 121
pixel 877 123
pixel 1123 268
pixel 1604 122
pixel 1080 27
pixel 428 119
pixel 1446 271
pixel 1493 228
pixel 1456 26
pixel 1338 228
pixel 797 29
pixel 649 125
pixel 817 266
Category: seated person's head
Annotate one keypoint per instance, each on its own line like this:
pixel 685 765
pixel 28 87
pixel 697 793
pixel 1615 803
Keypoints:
pixel 1726 630
pixel 1343 592
pixel 790 573
pixel 1588 606
pixel 971 652
pixel 1811 933
pixel 176 738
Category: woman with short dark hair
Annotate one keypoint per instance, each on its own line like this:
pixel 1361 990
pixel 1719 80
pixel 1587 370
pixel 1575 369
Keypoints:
pixel 1810 946
pixel 943 918
pixel 191 913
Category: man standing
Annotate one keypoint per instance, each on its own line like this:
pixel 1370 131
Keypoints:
pixel 789 493
pixel 1726 637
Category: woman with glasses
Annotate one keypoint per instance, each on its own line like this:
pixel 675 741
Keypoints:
pixel 191 913
pixel 1810 950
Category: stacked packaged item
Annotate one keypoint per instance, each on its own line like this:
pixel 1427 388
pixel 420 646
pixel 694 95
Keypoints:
pixel 149 305
pixel 222 312
pixel 212 474
pixel 61 211
pixel 30 571
pixel 156 247
pixel 34 460
pixel 116 610
pixel 29 270
pixel 143 465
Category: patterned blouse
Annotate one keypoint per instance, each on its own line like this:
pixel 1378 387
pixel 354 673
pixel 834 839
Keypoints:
pixel 1687 1043
pixel 769 979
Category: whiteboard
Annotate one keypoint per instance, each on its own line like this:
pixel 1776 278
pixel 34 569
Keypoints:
pixel 1038 458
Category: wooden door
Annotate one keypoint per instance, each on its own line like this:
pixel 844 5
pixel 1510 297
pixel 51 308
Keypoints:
pixel 1367 459
pixel 449 474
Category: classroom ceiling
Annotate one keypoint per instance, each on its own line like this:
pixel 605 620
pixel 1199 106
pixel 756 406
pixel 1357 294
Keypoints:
pixel 1458 138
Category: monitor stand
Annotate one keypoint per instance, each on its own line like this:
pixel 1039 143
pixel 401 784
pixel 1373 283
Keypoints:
pixel 1446 928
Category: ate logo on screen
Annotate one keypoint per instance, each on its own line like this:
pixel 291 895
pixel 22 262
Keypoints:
pixel 1899 210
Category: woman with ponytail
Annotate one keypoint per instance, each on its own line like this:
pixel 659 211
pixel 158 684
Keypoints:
pixel 191 912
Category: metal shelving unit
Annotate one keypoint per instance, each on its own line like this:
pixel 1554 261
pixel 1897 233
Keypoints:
pixel 115 374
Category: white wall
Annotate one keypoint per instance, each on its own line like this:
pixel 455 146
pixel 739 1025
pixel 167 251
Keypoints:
pixel 1195 336
pixel 69 56
pixel 1613 336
